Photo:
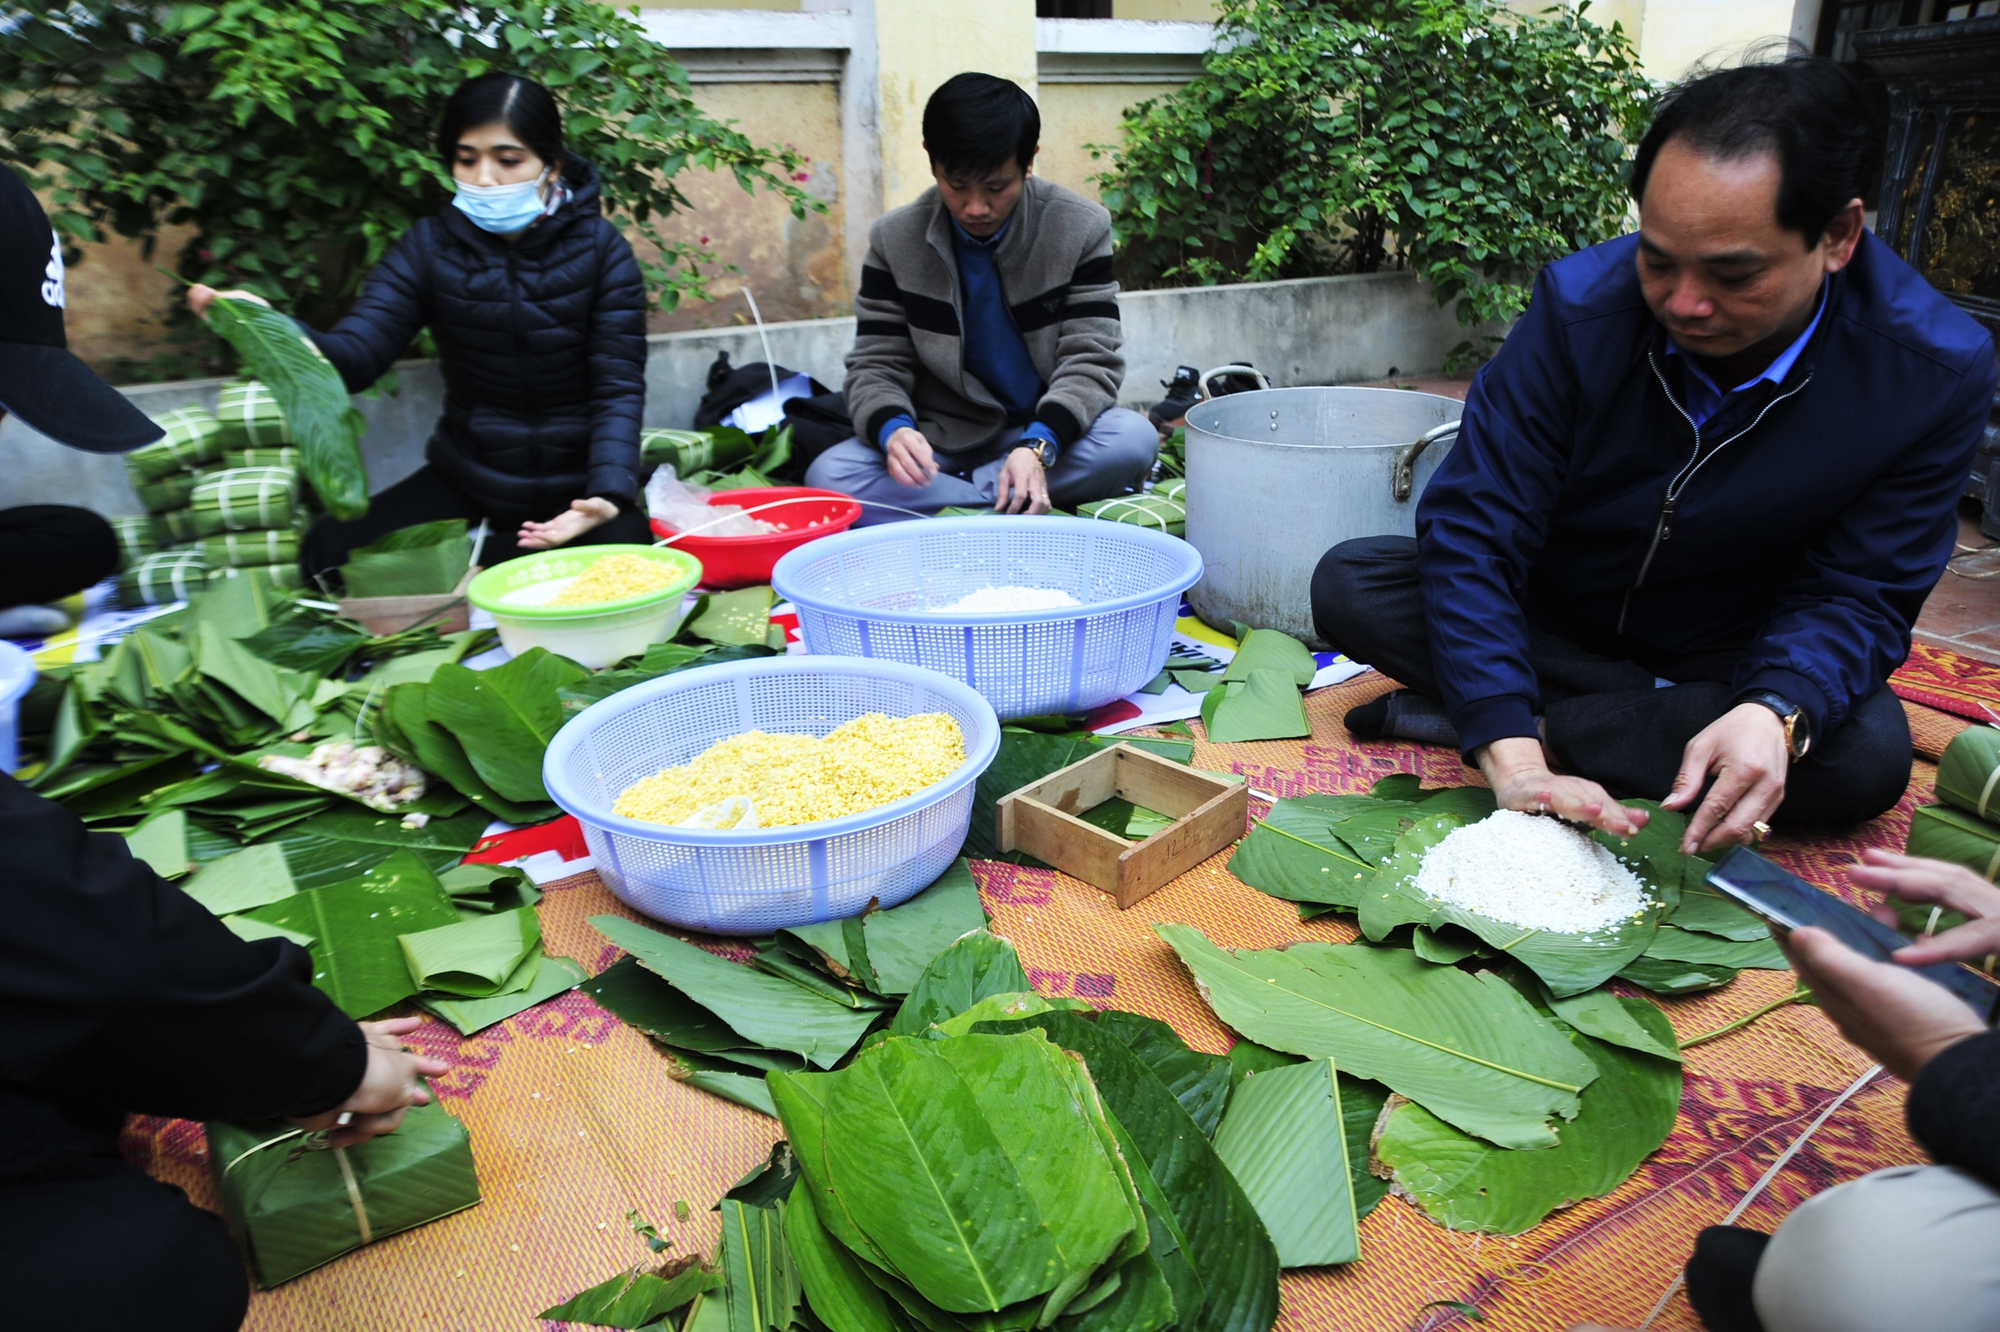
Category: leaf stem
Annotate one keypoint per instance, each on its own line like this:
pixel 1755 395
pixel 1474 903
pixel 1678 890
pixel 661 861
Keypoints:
pixel 1266 825
pixel 1800 993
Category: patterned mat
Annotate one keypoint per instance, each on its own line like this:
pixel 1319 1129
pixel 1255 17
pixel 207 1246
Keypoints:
pixel 574 1121
pixel 1940 678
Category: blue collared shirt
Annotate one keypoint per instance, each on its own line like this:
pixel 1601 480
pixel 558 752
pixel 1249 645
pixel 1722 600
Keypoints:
pixel 1705 397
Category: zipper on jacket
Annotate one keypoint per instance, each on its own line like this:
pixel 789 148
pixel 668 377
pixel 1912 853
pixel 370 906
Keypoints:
pixel 1663 529
pixel 521 358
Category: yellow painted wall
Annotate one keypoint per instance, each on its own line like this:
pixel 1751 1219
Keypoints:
pixel 920 44
pixel 1075 115
pixel 1185 11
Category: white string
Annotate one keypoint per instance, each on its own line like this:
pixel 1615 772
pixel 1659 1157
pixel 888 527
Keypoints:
pixel 769 363
pixel 1756 1189
pixel 772 504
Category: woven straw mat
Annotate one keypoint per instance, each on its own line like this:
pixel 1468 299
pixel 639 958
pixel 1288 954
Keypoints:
pixel 574 1120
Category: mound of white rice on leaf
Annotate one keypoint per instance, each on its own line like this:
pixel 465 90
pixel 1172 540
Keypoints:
pixel 1531 870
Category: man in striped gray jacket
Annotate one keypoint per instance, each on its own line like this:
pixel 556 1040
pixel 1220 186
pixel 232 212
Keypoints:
pixel 985 368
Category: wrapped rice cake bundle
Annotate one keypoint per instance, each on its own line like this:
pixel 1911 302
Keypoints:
pixel 137 538
pixel 194 439
pixel 288 577
pixel 285 456
pixel 169 576
pixel 246 499
pixel 1155 511
pixel 691 451
pixel 169 492
pixel 293 1204
pixel 250 417
pixel 243 550
pixel 1942 832
pixel 1968 773
pixel 176 527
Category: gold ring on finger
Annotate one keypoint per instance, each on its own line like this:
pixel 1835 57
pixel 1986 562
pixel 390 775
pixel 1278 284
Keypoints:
pixel 1761 828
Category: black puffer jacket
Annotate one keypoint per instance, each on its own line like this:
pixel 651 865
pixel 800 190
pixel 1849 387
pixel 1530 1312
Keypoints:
pixel 543 344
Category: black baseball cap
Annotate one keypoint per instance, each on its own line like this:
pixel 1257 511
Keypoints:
pixel 40 381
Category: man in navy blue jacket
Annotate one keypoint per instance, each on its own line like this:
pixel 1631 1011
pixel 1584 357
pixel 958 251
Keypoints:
pixel 1698 498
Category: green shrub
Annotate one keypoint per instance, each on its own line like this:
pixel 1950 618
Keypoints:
pixel 1469 142
pixel 295 136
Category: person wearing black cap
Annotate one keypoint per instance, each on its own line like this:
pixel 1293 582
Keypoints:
pixel 49 551
pixel 121 994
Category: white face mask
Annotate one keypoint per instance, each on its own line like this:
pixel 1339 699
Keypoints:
pixel 502 209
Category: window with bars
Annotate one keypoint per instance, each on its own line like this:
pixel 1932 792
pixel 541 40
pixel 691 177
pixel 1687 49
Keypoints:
pixel 1839 20
pixel 1100 9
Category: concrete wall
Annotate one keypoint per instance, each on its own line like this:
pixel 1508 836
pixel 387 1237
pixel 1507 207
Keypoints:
pixel 1309 331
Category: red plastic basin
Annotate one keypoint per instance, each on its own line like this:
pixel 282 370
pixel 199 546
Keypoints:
pixel 744 561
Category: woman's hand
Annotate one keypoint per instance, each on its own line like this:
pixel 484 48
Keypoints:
pixel 583 515
pixel 389 1086
pixel 1519 774
pixel 1952 887
pixel 200 297
pixel 1745 749
pixel 1899 1017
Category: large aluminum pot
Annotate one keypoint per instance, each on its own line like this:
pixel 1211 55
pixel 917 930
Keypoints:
pixel 1277 477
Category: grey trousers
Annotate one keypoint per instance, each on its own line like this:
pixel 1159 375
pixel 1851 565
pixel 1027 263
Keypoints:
pixel 1113 456
pixel 1912 1247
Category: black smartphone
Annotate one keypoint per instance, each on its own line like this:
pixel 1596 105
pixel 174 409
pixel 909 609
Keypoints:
pixel 1784 899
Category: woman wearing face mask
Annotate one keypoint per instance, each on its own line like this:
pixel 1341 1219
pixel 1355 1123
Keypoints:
pixel 539 314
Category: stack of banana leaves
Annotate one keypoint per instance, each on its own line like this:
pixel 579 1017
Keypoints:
pixel 308 781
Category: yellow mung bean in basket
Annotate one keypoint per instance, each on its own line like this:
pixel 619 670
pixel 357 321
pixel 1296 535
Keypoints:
pixel 789 779
pixel 613 578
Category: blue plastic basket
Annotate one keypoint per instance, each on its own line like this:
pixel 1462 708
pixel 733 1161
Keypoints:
pixel 753 882
pixel 864 593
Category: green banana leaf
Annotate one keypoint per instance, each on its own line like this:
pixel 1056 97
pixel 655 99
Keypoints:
pixel 778 962
pixel 1293 852
pixel 324 423
pixel 634 1299
pixel 741 1088
pixel 354 925
pixel 428 559
pixel 307 642
pixel 970 1163
pixel 504 717
pixel 348 840
pixel 284 696
pixel 1615 1020
pixel 760 1285
pixel 1670 978
pixel 645 1002
pixel 901 941
pixel 161 841
pixel 1466 1184
pixel 975 967
pixel 481 958
pixel 1467 1047
pixel 835 1288
pixel 1223 1239
pixel 253 877
pixel 764 1010
pixel 250 931
pixel 1944 833
pixel 1448 945
pixel 406 727
pixel 1271 650
pixel 483 889
pixel 1200 1082
pixel 801 1103
pixel 1285 1140
pixel 1677 945
pixel 1966 773
pixel 1000 1008
pixel 1361 1103
pixel 742 617
pixel 1263 705
pixel 1706 910
pixel 556 975
pixel 1568 963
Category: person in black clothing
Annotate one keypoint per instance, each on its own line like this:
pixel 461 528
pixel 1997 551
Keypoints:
pixel 121 994
pixel 1912 1246
pixel 539 313
pixel 50 551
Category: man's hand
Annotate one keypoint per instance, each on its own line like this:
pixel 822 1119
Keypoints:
pixel 911 461
pixel 388 1087
pixel 200 297
pixel 1022 485
pixel 1891 1012
pixel 1518 772
pixel 1745 749
pixel 583 515
pixel 1952 887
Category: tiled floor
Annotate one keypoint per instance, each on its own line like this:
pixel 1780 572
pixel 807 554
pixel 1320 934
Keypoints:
pixel 1963 612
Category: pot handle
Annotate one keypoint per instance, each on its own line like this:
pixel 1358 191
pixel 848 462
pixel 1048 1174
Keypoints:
pixel 1403 479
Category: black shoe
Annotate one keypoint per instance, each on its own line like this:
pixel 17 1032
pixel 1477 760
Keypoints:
pixel 1183 393
pixel 1403 714
pixel 1368 721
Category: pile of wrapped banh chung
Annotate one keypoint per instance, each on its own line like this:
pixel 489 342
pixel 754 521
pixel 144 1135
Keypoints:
pixel 224 495
pixel 1964 828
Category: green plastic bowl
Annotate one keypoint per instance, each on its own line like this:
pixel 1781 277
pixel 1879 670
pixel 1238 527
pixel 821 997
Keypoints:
pixel 592 636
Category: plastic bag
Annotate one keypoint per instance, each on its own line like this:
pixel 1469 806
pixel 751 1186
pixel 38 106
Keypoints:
pixel 685 507
pixel 735 811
